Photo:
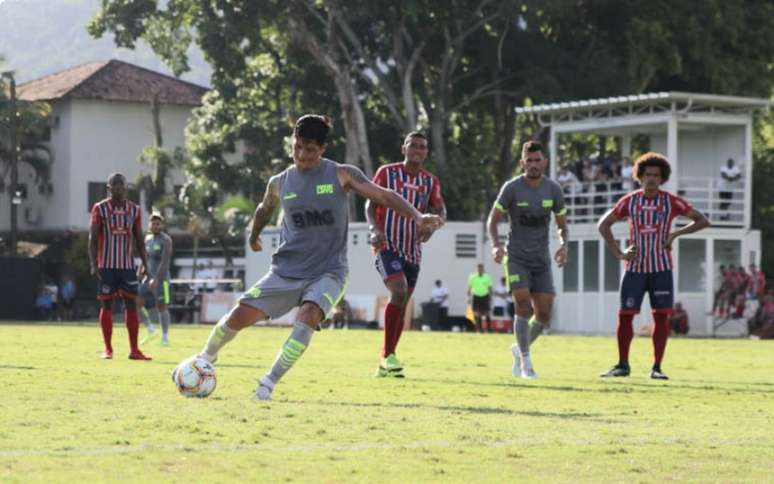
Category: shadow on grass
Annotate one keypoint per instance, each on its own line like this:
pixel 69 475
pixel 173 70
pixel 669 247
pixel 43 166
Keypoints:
pixel 477 410
pixel 619 386
pixel 16 367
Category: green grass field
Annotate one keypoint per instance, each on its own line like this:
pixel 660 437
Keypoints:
pixel 68 416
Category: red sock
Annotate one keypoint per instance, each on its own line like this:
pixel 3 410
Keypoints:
pixel 106 321
pixel 660 335
pixel 133 327
pixel 401 321
pixel 392 322
pixel 624 332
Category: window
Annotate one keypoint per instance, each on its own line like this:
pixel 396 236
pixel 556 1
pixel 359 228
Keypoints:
pixel 690 259
pixel 571 270
pixel 465 246
pixel 590 265
pixel 612 270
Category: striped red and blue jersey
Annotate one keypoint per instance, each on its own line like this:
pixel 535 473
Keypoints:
pixel 115 243
pixel 422 190
pixel 650 221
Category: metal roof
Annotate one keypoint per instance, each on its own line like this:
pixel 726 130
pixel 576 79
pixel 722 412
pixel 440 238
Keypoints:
pixel 646 99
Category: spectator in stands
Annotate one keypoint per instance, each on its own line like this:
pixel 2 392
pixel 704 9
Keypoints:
pixel 761 325
pixel 730 174
pixel 569 182
pixel 601 193
pixel 678 320
pixel 440 296
pixel 757 286
pixel 53 290
pixel 68 297
pixel 44 304
pixel 500 297
pixel 209 273
pixel 342 315
pixel 627 181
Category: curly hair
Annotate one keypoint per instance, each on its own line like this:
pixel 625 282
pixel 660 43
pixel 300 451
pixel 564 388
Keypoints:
pixel 652 159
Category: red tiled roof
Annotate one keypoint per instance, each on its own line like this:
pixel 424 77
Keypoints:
pixel 112 80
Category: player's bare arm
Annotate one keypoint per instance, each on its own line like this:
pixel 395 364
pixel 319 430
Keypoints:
pixel 699 222
pixel 438 209
pixel 264 213
pixel 93 237
pixel 562 255
pixel 378 238
pixel 351 178
pixel 604 226
pixel 496 216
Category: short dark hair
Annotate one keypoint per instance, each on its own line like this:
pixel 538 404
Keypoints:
pixel 314 127
pixel 116 175
pixel 652 159
pixel 414 134
pixel 531 146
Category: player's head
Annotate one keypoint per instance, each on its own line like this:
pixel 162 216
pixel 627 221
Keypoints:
pixel 414 147
pixel 652 170
pixel 532 162
pixel 156 222
pixel 438 283
pixel 481 268
pixel 310 139
pixel 116 185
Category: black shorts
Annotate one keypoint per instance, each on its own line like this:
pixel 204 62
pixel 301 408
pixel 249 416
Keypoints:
pixel 117 283
pixel 480 304
pixel 391 265
pixel 658 285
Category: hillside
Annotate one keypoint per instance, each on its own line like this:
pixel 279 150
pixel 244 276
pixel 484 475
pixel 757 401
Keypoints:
pixel 39 37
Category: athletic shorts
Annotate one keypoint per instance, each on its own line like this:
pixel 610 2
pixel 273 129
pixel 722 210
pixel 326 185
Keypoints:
pixel 161 295
pixel 480 304
pixel 117 283
pixel 519 277
pixel 276 295
pixel 658 285
pixel 390 265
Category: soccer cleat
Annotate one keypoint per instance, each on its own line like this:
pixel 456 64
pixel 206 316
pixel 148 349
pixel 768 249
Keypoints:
pixel 164 342
pixel 138 355
pixel 107 355
pixel 382 372
pixel 265 389
pixel 148 337
pixel 516 369
pixel 392 363
pixel 528 374
pixel 657 374
pixel 617 370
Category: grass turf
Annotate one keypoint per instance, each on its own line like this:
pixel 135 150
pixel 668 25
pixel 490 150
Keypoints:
pixel 458 416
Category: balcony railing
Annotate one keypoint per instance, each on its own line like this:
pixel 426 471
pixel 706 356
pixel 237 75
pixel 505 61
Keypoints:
pixel 586 202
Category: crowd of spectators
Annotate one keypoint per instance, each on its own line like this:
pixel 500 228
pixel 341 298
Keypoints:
pixel 743 294
pixel 591 185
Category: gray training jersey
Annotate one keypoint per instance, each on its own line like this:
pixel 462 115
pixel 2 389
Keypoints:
pixel 159 250
pixel 313 234
pixel 530 212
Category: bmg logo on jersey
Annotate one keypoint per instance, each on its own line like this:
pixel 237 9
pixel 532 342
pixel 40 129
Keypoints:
pixel 313 218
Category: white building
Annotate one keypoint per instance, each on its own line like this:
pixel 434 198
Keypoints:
pixel 101 121
pixel 697 132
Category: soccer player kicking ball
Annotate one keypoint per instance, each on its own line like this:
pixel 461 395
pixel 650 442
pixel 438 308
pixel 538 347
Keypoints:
pixel 397 241
pixel 650 211
pixel 115 230
pixel 528 200
pixel 309 268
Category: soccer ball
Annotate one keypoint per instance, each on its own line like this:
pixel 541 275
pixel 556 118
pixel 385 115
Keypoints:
pixel 195 377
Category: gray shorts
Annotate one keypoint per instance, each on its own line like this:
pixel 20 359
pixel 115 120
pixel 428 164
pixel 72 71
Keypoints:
pixel 537 281
pixel 161 295
pixel 276 295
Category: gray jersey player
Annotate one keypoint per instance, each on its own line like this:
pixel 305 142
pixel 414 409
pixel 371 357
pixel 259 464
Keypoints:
pixel 529 200
pixel 309 268
pixel 155 292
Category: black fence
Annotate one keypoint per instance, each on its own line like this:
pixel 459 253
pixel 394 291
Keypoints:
pixel 20 279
